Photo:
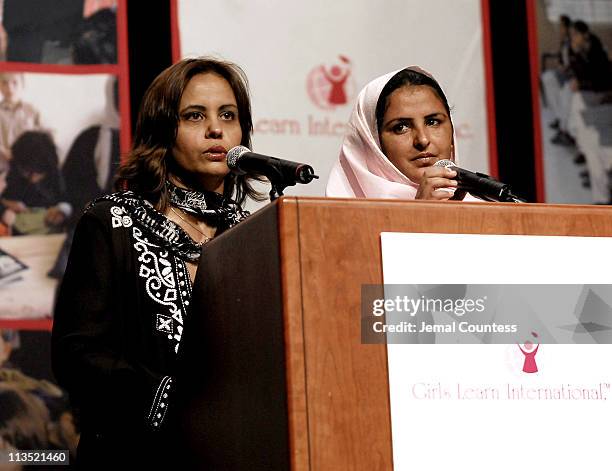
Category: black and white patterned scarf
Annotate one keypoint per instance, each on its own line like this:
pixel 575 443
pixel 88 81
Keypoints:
pixel 217 210
pixel 214 208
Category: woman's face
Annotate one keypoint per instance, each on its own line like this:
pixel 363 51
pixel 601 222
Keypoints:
pixel 416 130
pixel 208 127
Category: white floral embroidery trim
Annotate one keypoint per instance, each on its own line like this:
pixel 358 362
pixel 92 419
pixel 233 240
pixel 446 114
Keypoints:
pixel 160 282
pixel 119 217
pixel 157 414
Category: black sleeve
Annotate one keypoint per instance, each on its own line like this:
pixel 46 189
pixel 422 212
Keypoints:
pixel 89 339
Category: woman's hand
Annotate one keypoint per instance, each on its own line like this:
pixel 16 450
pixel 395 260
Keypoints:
pixel 434 183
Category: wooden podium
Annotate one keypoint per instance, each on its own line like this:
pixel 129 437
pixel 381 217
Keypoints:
pixel 275 375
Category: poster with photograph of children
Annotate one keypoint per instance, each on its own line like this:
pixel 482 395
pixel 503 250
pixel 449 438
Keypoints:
pixel 34 411
pixel 59 31
pixel 59 149
pixel 574 38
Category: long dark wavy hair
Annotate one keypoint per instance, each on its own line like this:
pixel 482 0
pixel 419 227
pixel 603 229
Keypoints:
pixel 146 168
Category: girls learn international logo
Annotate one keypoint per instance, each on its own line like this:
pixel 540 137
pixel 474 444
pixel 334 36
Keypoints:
pixel 529 350
pixel 330 86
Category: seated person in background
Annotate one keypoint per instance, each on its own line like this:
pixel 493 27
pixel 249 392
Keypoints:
pixel 7 216
pixel 590 64
pixel 559 61
pixel 590 72
pixel 96 39
pixel 400 127
pixel 565 45
pixel 59 431
pixel 35 190
pixel 33 25
pixel 23 419
pixel 16 116
pixel 554 77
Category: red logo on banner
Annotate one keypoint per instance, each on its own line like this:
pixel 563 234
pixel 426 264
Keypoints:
pixel 330 86
pixel 529 350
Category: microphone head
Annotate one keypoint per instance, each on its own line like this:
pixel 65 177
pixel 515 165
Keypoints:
pixel 234 154
pixel 444 163
pixel 450 165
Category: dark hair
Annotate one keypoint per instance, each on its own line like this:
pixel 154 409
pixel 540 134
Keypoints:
pixel 580 26
pixel 147 166
pixel 35 151
pixel 406 77
pixel 96 41
pixel 565 21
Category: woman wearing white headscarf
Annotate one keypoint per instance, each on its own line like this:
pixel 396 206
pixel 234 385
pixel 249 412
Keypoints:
pixel 400 127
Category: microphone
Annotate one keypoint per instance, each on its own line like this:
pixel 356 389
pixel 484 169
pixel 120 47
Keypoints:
pixel 241 160
pixel 480 184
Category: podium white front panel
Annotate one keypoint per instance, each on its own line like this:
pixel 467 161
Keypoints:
pixel 472 406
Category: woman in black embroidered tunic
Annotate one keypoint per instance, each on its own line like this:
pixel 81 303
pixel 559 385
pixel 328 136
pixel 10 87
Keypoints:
pixel 125 296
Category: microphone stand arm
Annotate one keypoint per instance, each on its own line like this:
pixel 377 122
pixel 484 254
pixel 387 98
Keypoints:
pixel 276 191
pixel 282 176
pixel 504 196
pixel 278 181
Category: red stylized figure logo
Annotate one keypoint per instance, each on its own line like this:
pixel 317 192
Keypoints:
pixel 530 351
pixel 331 86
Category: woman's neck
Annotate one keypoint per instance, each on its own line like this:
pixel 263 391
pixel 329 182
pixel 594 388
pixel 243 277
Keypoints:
pixel 215 186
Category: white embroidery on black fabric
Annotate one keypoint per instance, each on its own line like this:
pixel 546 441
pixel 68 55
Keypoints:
pixel 184 291
pixel 119 217
pixel 160 283
pixel 164 323
pixel 157 414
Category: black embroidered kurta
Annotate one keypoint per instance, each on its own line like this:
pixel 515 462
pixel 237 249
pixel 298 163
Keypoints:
pixel 118 324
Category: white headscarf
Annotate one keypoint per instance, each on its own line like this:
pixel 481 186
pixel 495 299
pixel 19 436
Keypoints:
pixel 363 171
